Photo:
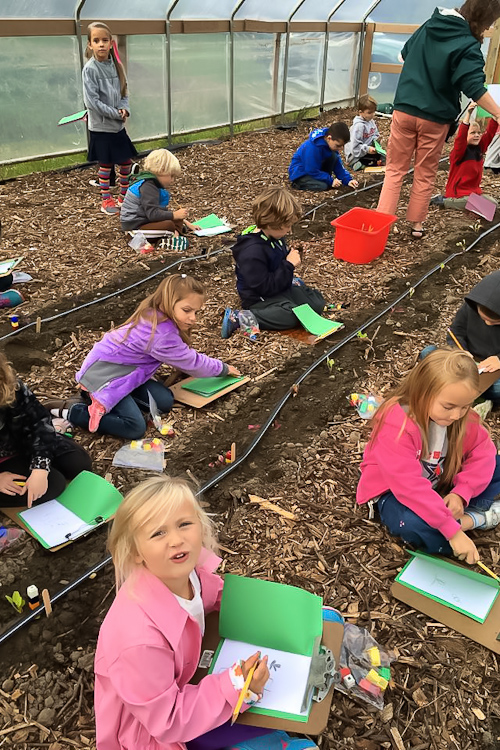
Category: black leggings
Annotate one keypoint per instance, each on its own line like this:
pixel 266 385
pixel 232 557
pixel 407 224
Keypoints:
pixel 70 460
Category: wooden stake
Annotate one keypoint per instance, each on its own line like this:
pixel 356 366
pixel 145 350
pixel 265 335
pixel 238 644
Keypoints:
pixel 233 452
pixel 47 602
pixel 38 326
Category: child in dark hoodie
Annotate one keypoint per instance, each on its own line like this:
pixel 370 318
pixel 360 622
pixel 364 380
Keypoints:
pixel 317 160
pixel 265 266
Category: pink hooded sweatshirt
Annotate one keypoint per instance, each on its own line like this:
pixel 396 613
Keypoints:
pixel 148 650
pixel 392 462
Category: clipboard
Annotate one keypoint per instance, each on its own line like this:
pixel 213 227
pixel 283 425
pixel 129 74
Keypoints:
pixel 333 633
pixel 189 398
pixel 486 379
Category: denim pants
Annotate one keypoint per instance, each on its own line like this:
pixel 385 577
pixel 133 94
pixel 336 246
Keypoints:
pixel 491 394
pixel 306 182
pixel 403 522
pixel 125 420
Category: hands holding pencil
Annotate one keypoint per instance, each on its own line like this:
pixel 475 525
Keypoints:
pixel 255 674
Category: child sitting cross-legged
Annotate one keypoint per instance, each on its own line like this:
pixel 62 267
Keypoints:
pixel 317 165
pixel 150 642
pixel 466 163
pixel 265 267
pixel 430 466
pixel 360 151
pixel 145 204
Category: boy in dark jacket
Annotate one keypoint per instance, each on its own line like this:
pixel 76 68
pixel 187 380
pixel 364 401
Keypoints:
pixel 317 160
pixel 477 328
pixel 265 266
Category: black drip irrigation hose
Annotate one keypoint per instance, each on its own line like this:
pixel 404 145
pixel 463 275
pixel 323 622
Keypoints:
pixel 292 391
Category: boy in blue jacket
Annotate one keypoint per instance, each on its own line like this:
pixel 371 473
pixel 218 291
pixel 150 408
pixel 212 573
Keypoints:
pixel 265 266
pixel 317 160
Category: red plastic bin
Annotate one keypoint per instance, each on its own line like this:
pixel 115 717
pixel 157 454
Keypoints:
pixel 361 234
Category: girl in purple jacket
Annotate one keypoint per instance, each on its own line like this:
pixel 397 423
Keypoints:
pixel 117 375
pixel 150 642
pixel 430 465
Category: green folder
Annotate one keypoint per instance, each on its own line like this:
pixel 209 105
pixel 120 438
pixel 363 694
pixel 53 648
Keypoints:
pixel 456 587
pixel 209 222
pixel 314 323
pixel 379 149
pixel 89 497
pixel 73 118
pixel 207 387
pixel 272 615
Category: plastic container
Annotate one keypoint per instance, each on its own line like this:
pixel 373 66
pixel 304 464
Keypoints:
pixel 9 535
pixel 361 235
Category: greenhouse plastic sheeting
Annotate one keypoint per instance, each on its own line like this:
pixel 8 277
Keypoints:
pixel 253 77
pixel 40 83
pixel 42 9
pixel 95 10
pixel 394 11
pixel 208 9
pixel 264 10
pixel 147 78
pixel 317 10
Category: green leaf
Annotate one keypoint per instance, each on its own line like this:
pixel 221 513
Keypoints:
pixel 16 601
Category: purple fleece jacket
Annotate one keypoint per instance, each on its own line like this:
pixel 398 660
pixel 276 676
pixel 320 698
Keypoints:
pixel 139 356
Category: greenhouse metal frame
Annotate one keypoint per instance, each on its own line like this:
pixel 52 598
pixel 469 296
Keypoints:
pixel 255 64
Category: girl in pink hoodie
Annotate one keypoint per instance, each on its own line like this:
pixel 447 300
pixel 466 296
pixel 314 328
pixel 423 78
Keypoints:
pixel 430 465
pixel 149 645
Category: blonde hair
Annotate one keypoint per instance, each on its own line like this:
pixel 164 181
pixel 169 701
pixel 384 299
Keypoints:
pixel 275 207
pixel 8 382
pixel 420 388
pixel 367 103
pixel 160 304
pixel 89 53
pixel 162 161
pixel 151 502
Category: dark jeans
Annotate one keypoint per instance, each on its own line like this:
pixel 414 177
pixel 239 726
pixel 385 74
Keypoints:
pixel 225 736
pixel 68 460
pixel 125 420
pixel 276 313
pixel 491 394
pixel 403 522
pixel 311 183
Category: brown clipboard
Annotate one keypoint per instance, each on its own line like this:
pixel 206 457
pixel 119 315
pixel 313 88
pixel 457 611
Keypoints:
pixel 194 399
pixel 333 633
pixel 486 379
pixel 486 633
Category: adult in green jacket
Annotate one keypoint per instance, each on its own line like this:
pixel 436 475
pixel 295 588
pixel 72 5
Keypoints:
pixel 441 59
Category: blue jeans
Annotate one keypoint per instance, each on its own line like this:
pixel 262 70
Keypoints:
pixel 491 394
pixel 403 522
pixel 125 420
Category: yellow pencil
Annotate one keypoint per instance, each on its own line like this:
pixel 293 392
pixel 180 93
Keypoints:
pixel 248 680
pixel 487 570
pixel 457 342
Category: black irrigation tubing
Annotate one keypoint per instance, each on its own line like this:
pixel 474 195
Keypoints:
pixel 292 391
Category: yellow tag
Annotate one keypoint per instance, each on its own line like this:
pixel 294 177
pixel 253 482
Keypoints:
pixel 376 679
pixel 374 655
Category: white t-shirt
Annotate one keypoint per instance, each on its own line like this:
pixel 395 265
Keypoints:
pixel 194 606
pixel 432 464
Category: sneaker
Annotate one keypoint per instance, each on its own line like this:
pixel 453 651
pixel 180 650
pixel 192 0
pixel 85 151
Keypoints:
pixel 96 413
pixel 135 168
pixel 56 406
pixel 109 207
pixel 175 243
pixel 436 200
pixel 230 323
pixel 491 516
pixel 11 298
pixel 357 166
pixel 275 741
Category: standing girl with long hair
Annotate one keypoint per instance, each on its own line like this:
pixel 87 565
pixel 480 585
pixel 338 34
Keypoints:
pixel 106 99
pixel 430 465
pixel 117 374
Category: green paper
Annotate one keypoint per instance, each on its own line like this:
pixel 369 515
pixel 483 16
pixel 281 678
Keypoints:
pixel 270 614
pixel 314 323
pixel 385 672
pixel 73 118
pixel 208 386
pixel 469 576
pixel 209 222
pixel 379 149
pixel 7 266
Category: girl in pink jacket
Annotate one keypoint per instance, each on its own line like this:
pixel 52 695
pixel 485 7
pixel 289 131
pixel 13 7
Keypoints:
pixel 430 465
pixel 149 644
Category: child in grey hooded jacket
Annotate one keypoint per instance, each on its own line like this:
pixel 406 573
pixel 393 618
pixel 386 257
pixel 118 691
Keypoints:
pixel 360 151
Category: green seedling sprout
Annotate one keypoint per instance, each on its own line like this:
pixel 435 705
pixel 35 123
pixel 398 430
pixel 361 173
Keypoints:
pixel 16 601
pixel 362 335
pixel 330 364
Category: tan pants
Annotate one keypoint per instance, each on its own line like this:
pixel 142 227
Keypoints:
pixel 423 139
pixel 170 225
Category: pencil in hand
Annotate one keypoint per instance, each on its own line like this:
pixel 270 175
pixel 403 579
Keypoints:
pixel 452 336
pixel 487 570
pixel 244 690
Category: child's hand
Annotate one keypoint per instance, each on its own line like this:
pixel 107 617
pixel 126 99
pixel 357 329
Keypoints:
pixel 455 505
pixel 260 676
pixel 491 364
pixel 123 114
pixel 36 485
pixel 293 257
pixel 181 213
pixel 472 106
pixel 192 227
pixel 233 371
pixel 464 548
pixel 372 150
pixel 7 484
pixel 353 183
pixel 336 183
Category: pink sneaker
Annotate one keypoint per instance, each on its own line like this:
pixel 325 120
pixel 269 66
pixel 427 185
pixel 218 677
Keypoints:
pixel 96 413
pixel 109 207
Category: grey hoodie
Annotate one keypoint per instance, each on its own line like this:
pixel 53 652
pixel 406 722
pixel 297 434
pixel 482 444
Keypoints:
pixel 476 337
pixel 102 96
pixel 363 134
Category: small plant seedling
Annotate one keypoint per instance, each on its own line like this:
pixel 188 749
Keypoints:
pixel 16 601
pixel 476 226
pixel 362 335
pixel 330 363
pixel 461 244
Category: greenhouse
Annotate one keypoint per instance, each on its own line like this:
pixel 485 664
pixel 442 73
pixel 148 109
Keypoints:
pixel 249 374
